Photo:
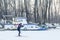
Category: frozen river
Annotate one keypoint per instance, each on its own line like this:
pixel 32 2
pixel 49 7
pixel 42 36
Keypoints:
pixel 53 34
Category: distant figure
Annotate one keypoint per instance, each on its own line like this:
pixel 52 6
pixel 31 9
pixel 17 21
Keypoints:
pixel 18 28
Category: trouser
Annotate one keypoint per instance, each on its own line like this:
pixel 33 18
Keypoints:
pixel 19 33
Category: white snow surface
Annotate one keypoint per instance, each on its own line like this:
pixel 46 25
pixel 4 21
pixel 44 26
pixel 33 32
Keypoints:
pixel 52 34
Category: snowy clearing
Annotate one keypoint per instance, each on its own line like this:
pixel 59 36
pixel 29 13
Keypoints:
pixel 52 34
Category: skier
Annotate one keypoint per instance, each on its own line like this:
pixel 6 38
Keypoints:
pixel 18 28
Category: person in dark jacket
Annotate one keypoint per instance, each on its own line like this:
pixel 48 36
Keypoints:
pixel 18 28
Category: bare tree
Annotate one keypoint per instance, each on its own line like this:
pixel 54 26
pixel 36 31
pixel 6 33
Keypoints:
pixel 5 4
pixel 1 9
pixel 35 10
pixel 27 11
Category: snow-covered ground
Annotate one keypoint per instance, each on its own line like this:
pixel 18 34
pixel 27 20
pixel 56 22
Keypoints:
pixel 52 34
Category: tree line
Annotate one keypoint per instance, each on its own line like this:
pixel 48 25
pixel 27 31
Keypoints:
pixel 36 11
